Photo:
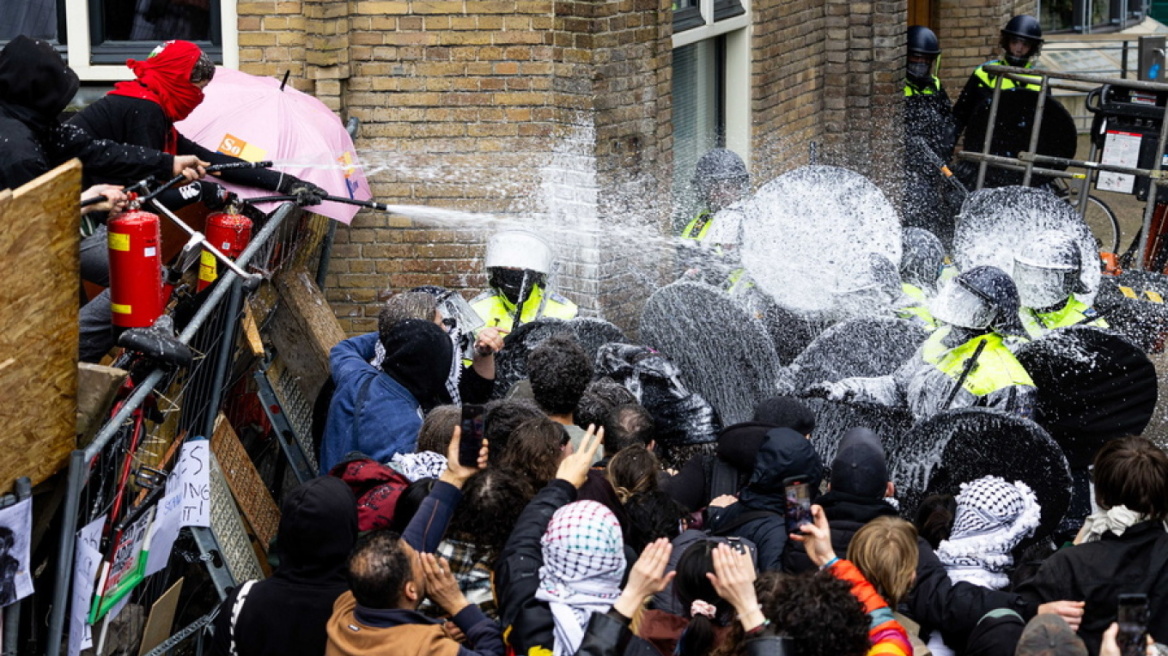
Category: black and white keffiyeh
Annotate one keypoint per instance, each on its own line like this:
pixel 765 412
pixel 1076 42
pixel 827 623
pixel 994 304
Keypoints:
pixel 992 517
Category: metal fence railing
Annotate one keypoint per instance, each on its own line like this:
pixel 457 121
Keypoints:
pixel 186 404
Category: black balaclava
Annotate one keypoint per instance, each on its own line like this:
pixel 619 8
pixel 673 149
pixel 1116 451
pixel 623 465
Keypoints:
pixel 417 356
pixel 510 283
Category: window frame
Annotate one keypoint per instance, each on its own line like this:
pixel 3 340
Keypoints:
pixel 96 63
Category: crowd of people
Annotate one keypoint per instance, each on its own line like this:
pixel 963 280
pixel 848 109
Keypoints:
pixel 561 537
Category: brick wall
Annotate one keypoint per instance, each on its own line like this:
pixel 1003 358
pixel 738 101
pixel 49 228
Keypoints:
pixel 555 115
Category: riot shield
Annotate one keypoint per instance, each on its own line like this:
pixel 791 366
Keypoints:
pixel 958 446
pixel 723 352
pixel 592 333
pixel 854 348
pixel 1058 136
pixel 1092 386
pixel 994 224
pixel 803 230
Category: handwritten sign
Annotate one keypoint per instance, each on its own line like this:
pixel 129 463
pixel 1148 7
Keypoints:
pixel 85 563
pixel 163 532
pixel 192 477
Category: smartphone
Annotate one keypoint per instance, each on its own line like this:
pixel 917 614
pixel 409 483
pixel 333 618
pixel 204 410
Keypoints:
pixel 472 435
pixel 798 503
pixel 1132 617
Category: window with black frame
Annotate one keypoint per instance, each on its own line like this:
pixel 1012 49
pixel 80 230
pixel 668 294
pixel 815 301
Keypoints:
pixel 119 29
pixel 699 118
pixel 1081 16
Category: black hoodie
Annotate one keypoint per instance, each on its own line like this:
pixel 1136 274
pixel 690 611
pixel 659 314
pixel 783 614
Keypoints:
pixel 784 454
pixel 287 614
pixel 35 86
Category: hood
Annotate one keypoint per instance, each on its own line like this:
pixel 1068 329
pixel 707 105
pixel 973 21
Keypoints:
pixel 784 454
pixel 318 528
pixel 418 355
pixel 34 77
pixel 859 467
pixel 738 444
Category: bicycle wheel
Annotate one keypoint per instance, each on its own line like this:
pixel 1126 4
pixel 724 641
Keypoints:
pixel 1103 224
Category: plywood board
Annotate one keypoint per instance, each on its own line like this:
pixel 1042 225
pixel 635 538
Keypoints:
pixel 97 385
pixel 304 330
pixel 255 502
pixel 38 324
pixel 161 618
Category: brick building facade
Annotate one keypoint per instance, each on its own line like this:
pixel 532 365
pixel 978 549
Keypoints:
pixel 558 115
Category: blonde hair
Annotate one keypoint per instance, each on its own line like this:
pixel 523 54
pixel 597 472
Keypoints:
pixel 885 551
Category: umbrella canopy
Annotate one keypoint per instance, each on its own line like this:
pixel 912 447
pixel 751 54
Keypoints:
pixel 256 118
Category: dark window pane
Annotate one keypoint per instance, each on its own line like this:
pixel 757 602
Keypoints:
pixel 698 116
pixel 120 29
pixel 39 19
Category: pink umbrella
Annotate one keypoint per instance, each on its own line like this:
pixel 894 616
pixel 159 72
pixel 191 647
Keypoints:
pixel 256 118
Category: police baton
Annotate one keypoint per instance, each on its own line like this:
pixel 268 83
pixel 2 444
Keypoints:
pixel 969 365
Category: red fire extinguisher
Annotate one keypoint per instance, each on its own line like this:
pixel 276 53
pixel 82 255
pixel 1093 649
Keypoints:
pixel 228 232
pixel 137 296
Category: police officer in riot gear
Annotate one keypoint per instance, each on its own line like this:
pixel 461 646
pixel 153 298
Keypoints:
pixel 980 311
pixel 1021 42
pixel 518 263
pixel 930 133
pixel 1047 273
pixel 921 264
pixel 712 237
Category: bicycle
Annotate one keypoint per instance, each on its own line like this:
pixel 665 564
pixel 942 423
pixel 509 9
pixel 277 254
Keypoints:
pixel 1098 215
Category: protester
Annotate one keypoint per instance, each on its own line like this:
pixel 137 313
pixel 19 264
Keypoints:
pixel 378 411
pixel 559 370
pixel 534 451
pixel 287 613
pixel 1122 546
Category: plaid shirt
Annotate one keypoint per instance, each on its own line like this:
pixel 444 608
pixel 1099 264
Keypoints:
pixel 473 576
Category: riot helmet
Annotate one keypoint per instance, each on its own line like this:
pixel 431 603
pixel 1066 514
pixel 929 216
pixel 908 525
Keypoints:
pixel 868 286
pixel 1047 271
pixel 922 259
pixel 720 178
pixel 1025 28
pixel 982 298
pixel 923 49
pixel 517 260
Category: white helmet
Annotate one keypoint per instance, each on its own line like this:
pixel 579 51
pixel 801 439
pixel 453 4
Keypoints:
pixel 519 249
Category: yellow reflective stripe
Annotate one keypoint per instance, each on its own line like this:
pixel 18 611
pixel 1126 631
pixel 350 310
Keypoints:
pixel 699 226
pixel 912 90
pixel 497 312
pixel 1007 83
pixel 996 368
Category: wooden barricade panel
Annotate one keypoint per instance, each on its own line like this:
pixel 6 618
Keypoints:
pixel 304 330
pixel 38 324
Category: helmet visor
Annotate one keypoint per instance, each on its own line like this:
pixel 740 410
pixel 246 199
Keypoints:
pixel 958 306
pixel 1040 287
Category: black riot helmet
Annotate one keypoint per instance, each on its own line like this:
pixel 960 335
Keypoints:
pixel 720 169
pixel 982 298
pixel 1024 27
pixel 923 49
pixel 922 41
pixel 922 259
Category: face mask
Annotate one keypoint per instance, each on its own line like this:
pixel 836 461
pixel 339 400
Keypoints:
pixel 919 72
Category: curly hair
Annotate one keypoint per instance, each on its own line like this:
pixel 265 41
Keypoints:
pixel 559 371
pixel 815 609
pixel 651 515
pixel 491 502
pixel 600 398
pixel 500 420
pixel 535 451
pixel 438 428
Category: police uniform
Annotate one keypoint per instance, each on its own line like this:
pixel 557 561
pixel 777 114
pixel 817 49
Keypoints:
pixel 916 309
pixel 498 312
pixel 925 382
pixel 705 235
pixel 980 88
pixel 1073 313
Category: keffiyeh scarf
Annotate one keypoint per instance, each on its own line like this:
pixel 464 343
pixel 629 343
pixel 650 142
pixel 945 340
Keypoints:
pixel 583 562
pixel 993 516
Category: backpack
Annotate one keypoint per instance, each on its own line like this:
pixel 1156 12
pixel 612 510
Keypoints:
pixel 377 488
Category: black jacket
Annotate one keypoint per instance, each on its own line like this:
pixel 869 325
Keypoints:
pixel 608 635
pixel 783 454
pixel 847 514
pixel 1098 572
pixel 142 122
pixel 35 85
pixel 737 450
pixel 287 614
pixel 527 622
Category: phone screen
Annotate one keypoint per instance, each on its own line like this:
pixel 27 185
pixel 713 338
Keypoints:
pixel 798 505
pixel 472 435
pixel 1132 617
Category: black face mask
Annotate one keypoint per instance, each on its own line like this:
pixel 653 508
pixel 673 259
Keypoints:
pixel 513 282
pixel 1019 62
pixel 919 72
